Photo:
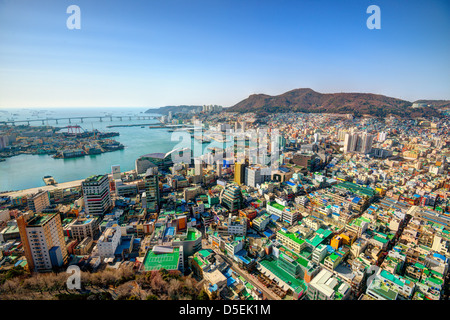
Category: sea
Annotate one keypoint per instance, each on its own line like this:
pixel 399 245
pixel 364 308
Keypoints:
pixel 26 171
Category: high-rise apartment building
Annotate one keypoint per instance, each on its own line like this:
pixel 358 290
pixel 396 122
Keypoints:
pixel 198 166
pixel 239 173
pixel 358 142
pixel 43 241
pixel 151 182
pixel 219 167
pixel 97 195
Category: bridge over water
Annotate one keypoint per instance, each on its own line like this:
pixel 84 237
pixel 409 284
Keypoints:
pixel 81 119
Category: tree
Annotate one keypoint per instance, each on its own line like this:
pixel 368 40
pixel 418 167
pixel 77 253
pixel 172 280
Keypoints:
pixel 215 295
pixel 203 295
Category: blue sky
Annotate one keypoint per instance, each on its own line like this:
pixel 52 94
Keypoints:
pixel 170 52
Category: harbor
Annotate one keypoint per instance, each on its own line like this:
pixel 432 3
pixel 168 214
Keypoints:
pixel 60 142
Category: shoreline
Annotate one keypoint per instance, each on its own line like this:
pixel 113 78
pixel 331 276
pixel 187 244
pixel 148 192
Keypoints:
pixel 62 185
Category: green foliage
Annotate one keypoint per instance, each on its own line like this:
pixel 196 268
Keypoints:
pixel 12 273
pixel 202 295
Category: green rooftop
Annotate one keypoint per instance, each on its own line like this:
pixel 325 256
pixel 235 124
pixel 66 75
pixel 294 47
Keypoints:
pixel 353 187
pixel 385 292
pixel 382 240
pixel 315 241
pixel 291 236
pixel 276 205
pixel 334 256
pixel 389 276
pixel 205 253
pixel 40 220
pixel 297 284
pixel 192 235
pixel 157 261
pixel 199 262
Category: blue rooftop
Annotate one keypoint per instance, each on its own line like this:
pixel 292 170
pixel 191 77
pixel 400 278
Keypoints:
pixel 124 245
pixel 170 231
pixel 274 217
pixel 268 233
pixel 356 200
pixel 440 256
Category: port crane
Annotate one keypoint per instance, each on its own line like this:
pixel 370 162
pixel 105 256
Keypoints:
pixel 74 130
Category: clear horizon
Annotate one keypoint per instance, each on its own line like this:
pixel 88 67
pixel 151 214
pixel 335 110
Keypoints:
pixel 156 53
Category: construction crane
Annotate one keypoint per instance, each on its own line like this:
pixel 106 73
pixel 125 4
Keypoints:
pixel 73 130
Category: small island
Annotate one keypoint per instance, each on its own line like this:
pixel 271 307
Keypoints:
pixel 60 143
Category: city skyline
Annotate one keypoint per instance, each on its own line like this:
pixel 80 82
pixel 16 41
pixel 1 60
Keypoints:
pixel 153 54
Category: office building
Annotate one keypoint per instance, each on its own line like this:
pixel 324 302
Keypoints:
pixel 231 198
pixel 239 173
pixel 97 195
pixel 256 175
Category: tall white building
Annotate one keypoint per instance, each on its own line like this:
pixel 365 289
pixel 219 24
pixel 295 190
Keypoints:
pixel 366 144
pixel 255 175
pixel 219 166
pixel 382 136
pixel 198 166
pixel 108 241
pixel 358 142
pixel 97 196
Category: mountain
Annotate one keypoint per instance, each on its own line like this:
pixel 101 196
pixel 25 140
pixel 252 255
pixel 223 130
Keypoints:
pixel 310 101
pixel 174 109
pixel 435 103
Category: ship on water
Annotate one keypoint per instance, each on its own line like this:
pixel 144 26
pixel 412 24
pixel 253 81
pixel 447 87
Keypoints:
pixel 70 154
pixel 49 180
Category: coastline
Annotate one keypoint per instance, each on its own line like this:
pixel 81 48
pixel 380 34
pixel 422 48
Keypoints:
pixel 62 185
